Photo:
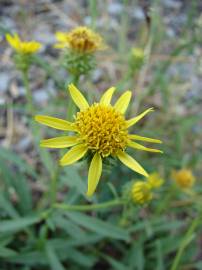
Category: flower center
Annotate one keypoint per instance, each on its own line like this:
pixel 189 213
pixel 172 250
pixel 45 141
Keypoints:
pixel 84 40
pixel 103 129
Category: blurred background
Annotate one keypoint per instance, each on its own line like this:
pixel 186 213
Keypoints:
pixel 153 237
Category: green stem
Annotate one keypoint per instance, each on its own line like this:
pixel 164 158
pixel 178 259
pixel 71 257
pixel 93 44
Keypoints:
pixel 33 126
pixel 93 13
pixel 127 77
pixel 88 207
pixel 123 29
pixel 171 193
pixel 53 186
pixel 185 242
pixel 25 77
pixel 50 71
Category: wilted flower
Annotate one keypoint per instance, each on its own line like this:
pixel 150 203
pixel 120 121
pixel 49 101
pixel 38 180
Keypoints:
pixel 23 47
pixel 155 180
pixel 184 178
pixel 141 192
pixel 81 39
pixel 100 129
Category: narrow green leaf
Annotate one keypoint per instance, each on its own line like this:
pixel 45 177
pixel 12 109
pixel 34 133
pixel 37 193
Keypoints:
pixel 135 256
pixel 22 188
pixel 103 228
pixel 116 264
pixel 30 258
pixel 18 224
pixel 53 258
pixel 73 179
pixel 65 251
pixel 6 252
pixel 8 207
pixel 12 157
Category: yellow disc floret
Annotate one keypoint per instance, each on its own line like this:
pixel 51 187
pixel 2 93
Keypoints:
pixel 141 192
pixel 155 180
pixel 103 129
pixel 184 178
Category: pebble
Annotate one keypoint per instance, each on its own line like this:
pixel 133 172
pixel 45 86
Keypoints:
pixel 24 143
pixel 40 96
pixel 4 82
pixel 115 8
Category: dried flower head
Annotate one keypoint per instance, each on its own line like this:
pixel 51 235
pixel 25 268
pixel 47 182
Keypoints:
pixel 81 39
pixel 23 47
pixel 100 129
pixel 141 192
pixel 184 178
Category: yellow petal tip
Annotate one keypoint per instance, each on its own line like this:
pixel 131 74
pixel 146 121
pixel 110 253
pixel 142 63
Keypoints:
pixel 146 174
pixel 89 194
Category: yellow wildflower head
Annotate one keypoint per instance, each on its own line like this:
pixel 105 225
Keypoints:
pixel 102 130
pixel 141 192
pixel 138 53
pixel 155 180
pixel 23 47
pixel 184 178
pixel 136 59
pixel 81 39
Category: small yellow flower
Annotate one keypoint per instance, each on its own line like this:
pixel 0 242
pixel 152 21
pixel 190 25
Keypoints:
pixel 184 178
pixel 81 39
pixel 102 130
pixel 23 47
pixel 141 192
pixel 138 53
pixel 155 180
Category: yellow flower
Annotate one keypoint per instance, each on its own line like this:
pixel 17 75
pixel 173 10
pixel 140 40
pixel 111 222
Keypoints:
pixel 80 39
pixel 184 178
pixel 141 192
pixel 155 180
pixel 138 53
pixel 102 130
pixel 24 47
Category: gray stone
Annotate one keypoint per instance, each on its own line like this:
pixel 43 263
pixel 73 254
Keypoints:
pixel 4 82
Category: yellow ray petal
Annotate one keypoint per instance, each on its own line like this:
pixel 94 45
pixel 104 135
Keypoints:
pixel 77 97
pixel 59 142
pixel 122 103
pixel 9 38
pixel 146 139
pixel 13 41
pixel 94 174
pixel 54 122
pixel 141 147
pixel 74 154
pixel 134 120
pixel 107 96
pixel 131 163
pixel 60 36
